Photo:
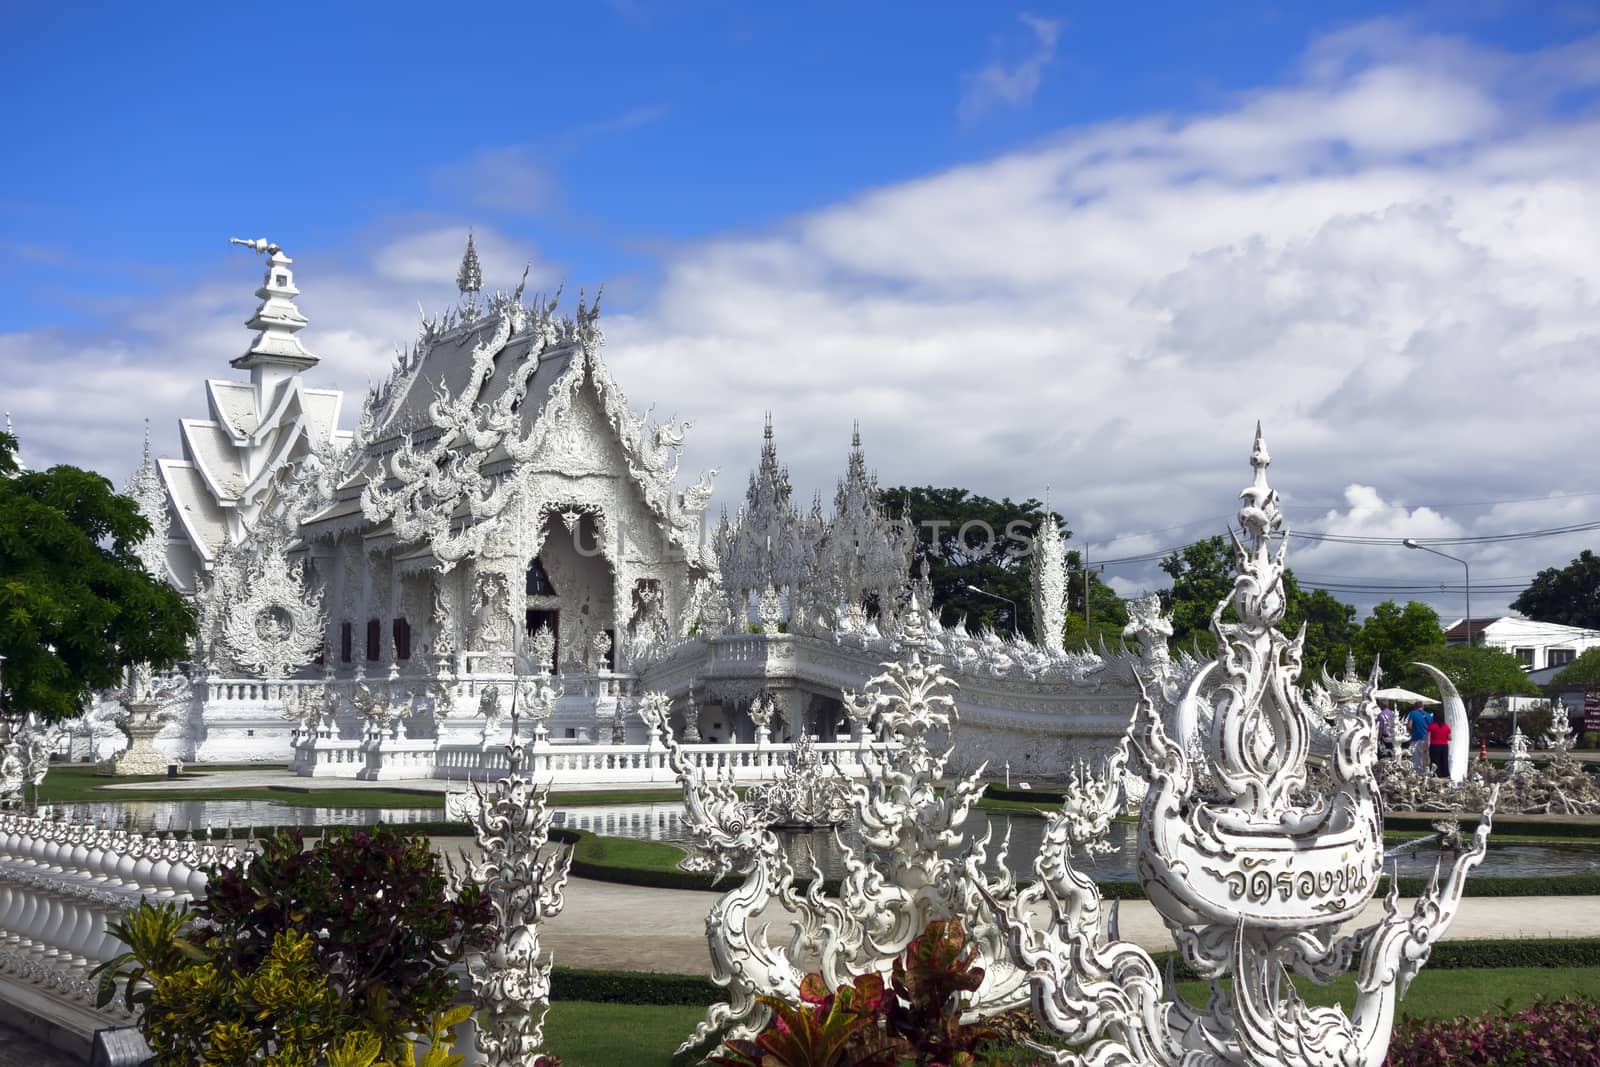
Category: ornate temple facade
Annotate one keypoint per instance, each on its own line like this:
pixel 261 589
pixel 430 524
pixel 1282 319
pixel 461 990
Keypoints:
pixel 501 536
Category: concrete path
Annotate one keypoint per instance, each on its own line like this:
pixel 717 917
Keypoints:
pixel 608 926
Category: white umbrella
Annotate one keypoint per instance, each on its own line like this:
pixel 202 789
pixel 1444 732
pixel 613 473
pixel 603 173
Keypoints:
pixel 1403 696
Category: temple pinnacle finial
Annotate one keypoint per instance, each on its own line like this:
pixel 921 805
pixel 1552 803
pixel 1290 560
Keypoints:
pixel 469 279
pixel 855 435
pixel 276 351
pixel 767 432
pixel 260 246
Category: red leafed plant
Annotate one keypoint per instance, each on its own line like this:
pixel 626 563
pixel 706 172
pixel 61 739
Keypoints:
pixel 916 1022
pixel 1549 1033
pixel 824 1030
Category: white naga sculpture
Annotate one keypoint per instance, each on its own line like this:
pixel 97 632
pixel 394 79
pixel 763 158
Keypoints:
pixel 1253 880
pixel 916 866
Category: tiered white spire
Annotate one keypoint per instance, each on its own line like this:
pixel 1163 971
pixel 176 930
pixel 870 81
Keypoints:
pixel 277 352
pixel 147 492
pixel 1049 579
pixel 469 279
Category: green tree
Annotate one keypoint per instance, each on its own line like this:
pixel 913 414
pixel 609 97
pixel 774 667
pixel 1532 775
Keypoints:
pixel 1478 674
pixel 1569 595
pixel 76 605
pixel 1581 673
pixel 1398 636
pixel 1108 612
pixel 972 540
pixel 1202 577
pixel 1330 627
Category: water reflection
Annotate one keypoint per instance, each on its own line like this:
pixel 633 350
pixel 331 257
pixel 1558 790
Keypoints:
pixel 182 815
pixel 665 822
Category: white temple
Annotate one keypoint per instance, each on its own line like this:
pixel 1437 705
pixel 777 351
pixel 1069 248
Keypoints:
pixel 502 533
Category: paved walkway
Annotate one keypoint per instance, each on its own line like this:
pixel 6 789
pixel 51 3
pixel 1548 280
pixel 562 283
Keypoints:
pixel 609 926
pixel 19 1050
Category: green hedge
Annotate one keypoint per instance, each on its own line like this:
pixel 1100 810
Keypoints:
pixel 1508 826
pixel 632 987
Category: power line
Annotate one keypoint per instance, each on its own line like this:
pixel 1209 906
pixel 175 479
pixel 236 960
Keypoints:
pixel 1392 542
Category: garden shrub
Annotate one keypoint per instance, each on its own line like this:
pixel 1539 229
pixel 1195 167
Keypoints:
pixel 345 948
pixel 914 1020
pixel 1549 1033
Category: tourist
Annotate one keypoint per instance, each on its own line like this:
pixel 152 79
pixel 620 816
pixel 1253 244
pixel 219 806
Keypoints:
pixel 1418 722
pixel 1439 745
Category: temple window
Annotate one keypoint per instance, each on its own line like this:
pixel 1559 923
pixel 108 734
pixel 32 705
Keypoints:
pixel 402 638
pixel 346 641
pixel 374 639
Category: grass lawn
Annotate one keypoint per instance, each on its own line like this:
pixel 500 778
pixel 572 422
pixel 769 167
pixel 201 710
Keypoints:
pixel 586 1034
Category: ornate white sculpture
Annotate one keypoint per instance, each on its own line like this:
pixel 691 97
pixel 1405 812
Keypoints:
pixel 1521 764
pixel 542 649
pixel 1048 574
pixel 273 625
pixel 1560 738
pixel 809 793
pixel 148 706
pixel 1254 881
pixel 12 777
pixel 926 869
pixel 151 497
pixel 523 877
pixel 762 708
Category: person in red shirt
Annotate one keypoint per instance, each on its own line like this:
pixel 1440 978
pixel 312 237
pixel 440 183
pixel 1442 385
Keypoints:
pixel 1439 745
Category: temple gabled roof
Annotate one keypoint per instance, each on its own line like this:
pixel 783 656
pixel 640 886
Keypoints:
pixel 448 363
pixel 256 427
pixel 494 385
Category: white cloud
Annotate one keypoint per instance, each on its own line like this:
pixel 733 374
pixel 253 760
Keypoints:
pixel 1013 84
pixel 1392 261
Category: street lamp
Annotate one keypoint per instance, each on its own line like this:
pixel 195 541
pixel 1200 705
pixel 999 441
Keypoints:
pixel 997 596
pixel 1411 543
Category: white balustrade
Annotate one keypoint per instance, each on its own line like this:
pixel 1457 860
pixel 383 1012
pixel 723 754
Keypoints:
pixel 63 884
pixel 632 764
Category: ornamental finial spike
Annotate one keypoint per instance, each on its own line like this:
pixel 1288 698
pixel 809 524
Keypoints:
pixel 469 279
pixel 260 246
pixel 1259 514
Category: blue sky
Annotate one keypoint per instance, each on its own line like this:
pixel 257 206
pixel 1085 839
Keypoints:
pixel 604 132
pixel 1083 245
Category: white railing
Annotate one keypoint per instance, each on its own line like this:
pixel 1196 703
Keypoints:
pixel 61 887
pixel 640 764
